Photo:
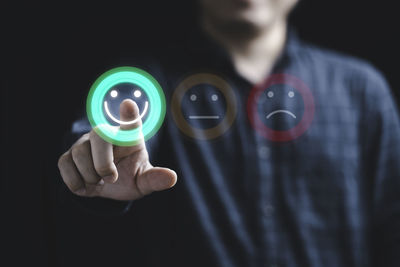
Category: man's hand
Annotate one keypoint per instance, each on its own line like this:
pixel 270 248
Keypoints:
pixel 94 167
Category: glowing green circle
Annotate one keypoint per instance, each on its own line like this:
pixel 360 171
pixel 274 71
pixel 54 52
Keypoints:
pixel 113 134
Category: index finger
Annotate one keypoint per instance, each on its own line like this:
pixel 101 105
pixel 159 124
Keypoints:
pixel 129 112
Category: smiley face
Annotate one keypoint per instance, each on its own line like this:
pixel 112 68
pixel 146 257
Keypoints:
pixel 118 93
pixel 107 93
pixel 203 106
pixel 280 107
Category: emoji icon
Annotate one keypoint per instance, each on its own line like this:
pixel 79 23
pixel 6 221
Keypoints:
pixel 203 106
pixel 116 95
pixel 282 108
pixel 108 92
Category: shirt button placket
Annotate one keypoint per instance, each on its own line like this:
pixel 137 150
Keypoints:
pixel 263 152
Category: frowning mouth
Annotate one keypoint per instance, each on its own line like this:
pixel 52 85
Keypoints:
pixel 146 105
pixel 281 111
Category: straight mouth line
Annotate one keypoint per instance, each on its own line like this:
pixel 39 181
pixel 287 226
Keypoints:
pixel 281 111
pixel 203 117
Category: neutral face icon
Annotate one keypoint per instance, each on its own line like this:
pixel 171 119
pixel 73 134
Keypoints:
pixel 203 106
pixel 280 107
pixel 118 93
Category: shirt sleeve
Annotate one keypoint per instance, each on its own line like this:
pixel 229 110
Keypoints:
pixel 383 151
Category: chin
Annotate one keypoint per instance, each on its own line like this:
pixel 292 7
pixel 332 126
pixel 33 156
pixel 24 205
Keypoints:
pixel 250 21
pixel 255 18
pixel 253 13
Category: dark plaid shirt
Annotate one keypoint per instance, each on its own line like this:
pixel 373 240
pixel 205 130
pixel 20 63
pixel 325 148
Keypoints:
pixel 331 197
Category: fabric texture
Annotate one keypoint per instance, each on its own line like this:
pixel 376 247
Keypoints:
pixel 330 197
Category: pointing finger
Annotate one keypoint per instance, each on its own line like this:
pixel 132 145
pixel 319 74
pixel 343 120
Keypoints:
pixel 129 112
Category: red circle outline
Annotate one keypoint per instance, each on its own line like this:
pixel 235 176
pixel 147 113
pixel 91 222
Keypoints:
pixel 294 132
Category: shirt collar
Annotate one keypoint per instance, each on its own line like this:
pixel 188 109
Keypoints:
pixel 212 54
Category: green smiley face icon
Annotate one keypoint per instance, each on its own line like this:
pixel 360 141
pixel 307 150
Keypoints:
pixel 98 110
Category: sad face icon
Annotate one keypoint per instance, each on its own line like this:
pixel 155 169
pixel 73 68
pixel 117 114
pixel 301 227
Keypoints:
pixel 282 108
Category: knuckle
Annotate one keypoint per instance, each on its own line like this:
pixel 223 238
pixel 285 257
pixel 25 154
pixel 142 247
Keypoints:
pixel 63 159
pixel 73 183
pixel 104 170
pixel 91 178
pixel 73 187
pixel 77 191
pixel 78 152
pixel 86 136
pixel 92 135
pixel 83 138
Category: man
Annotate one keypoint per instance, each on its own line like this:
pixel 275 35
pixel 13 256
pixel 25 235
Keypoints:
pixel 326 195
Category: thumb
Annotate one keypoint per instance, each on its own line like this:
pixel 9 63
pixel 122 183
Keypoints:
pixel 156 179
pixel 130 119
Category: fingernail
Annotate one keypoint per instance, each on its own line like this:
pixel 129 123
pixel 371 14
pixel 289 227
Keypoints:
pixel 101 182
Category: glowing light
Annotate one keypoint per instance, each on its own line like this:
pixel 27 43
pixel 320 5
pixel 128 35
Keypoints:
pixel 270 94
pixel 281 111
pixel 114 93
pixel 96 106
pixel 193 97
pixel 214 97
pixel 137 93
pixel 291 94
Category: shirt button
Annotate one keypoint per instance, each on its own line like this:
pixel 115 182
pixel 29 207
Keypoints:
pixel 263 152
pixel 268 210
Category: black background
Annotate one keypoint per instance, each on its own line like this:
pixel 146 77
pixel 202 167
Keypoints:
pixel 50 56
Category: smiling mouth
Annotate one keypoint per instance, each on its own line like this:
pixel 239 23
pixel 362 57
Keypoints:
pixel 204 117
pixel 146 105
pixel 281 111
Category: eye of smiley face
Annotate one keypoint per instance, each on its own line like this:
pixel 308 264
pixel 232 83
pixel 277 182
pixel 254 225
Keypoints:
pixel 204 106
pixel 280 107
pixel 118 93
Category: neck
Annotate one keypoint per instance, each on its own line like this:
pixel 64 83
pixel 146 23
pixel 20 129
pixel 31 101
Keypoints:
pixel 253 52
